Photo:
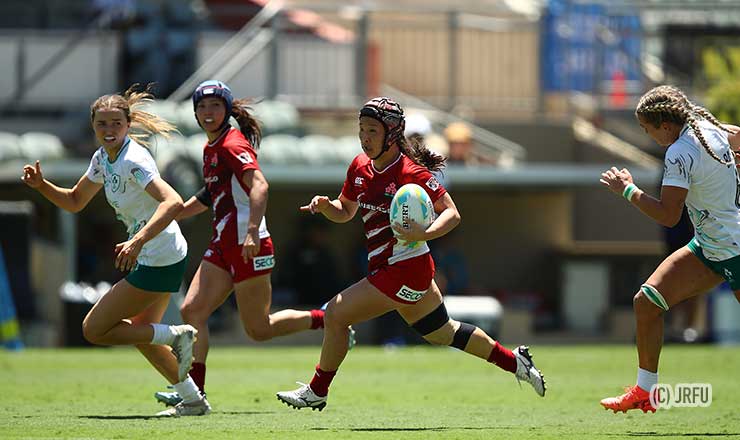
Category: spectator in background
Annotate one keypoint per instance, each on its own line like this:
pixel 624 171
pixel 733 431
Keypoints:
pixel 311 264
pixel 419 129
pixel 460 140
pixel 462 151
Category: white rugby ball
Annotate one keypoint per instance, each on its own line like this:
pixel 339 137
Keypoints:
pixel 411 202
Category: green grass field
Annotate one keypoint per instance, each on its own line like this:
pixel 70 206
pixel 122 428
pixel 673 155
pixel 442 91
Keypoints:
pixel 409 393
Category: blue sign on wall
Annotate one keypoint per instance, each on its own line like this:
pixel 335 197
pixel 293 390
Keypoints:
pixel 584 45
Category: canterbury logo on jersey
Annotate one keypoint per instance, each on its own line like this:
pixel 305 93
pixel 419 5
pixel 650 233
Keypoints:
pixel 264 263
pixel 373 207
pixel 409 294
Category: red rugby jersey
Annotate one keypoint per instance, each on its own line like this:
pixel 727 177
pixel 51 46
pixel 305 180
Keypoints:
pixel 224 162
pixel 373 190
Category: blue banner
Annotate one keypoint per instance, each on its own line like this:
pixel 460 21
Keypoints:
pixel 9 329
pixel 584 46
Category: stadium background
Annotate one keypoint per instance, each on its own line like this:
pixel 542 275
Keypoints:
pixel 546 90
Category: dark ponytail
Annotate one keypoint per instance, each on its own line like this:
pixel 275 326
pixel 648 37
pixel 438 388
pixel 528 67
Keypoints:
pixel 248 125
pixel 415 150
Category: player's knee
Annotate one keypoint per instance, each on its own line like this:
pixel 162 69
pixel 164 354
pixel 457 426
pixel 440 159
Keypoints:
pixel 190 313
pixel 640 303
pixel 333 319
pixel 259 333
pixel 443 335
pixel 90 332
pixel 649 302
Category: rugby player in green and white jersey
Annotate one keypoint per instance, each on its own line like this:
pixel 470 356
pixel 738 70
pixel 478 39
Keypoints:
pixel 699 172
pixel 155 252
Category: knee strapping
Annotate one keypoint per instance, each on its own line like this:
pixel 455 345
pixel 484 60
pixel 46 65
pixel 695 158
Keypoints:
pixel 432 322
pixel 652 294
pixel 462 336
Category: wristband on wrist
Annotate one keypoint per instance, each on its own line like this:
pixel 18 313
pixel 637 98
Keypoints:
pixel 629 191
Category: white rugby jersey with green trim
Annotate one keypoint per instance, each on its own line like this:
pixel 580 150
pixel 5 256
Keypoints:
pixel 124 181
pixel 713 201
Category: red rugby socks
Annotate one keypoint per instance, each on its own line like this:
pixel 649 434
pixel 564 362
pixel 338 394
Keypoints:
pixel 502 357
pixel 321 381
pixel 198 373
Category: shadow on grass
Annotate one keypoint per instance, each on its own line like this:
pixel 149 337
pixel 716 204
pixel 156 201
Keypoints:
pixel 683 434
pixel 244 413
pixel 437 429
pixel 149 417
pixel 133 417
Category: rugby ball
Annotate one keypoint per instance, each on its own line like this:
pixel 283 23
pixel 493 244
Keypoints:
pixel 411 202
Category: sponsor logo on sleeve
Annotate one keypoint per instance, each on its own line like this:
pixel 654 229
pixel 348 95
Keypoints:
pixel 244 157
pixel 408 294
pixel 358 181
pixel 138 174
pixel 264 262
pixel 432 183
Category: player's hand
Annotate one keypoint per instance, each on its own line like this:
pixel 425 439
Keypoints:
pixel 318 204
pixel 32 175
pixel 616 180
pixel 127 253
pixel 415 232
pixel 251 247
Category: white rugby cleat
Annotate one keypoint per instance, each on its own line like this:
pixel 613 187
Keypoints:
pixel 182 348
pixel 200 407
pixel 303 397
pixel 526 371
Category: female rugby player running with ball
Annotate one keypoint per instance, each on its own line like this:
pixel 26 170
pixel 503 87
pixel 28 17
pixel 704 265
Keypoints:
pixel 400 278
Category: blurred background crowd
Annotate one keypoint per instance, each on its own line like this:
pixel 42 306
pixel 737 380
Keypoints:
pixel 528 99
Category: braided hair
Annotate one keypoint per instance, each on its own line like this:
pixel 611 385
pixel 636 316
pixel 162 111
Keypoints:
pixel 669 104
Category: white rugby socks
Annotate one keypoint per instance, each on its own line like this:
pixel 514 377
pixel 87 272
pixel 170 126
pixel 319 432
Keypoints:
pixel 163 335
pixel 646 379
pixel 188 390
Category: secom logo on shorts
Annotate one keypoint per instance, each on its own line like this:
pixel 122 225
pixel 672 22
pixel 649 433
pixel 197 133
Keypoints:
pixel 409 294
pixel 681 395
pixel 264 263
